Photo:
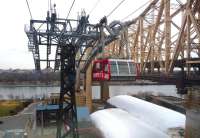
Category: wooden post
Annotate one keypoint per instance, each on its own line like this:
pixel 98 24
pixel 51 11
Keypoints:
pixel 77 85
pixel 104 90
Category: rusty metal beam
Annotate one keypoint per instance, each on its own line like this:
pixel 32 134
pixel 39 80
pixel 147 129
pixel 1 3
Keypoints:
pixel 167 35
pixel 178 44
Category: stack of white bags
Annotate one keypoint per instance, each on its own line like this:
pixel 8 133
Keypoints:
pixel 136 118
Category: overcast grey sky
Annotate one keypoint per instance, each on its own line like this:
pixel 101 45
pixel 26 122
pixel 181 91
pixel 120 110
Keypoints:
pixel 14 15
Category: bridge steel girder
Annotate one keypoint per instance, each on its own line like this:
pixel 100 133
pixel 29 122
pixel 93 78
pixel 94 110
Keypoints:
pixel 168 35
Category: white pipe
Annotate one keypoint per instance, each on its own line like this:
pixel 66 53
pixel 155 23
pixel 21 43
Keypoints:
pixel 116 123
pixel 152 114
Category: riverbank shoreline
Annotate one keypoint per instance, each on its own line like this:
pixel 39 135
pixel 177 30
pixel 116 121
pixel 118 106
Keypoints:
pixel 28 85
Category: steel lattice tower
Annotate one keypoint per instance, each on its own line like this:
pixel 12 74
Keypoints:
pixel 71 38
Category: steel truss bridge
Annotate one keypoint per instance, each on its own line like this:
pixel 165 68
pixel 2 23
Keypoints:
pixel 163 39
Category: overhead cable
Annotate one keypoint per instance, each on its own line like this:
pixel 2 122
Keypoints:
pixel 115 8
pixel 29 9
pixel 95 5
pixel 135 11
pixel 70 9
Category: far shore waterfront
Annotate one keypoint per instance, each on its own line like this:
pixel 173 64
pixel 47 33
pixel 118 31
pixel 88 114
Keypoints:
pixel 29 84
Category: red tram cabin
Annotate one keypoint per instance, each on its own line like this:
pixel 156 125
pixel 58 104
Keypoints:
pixel 114 69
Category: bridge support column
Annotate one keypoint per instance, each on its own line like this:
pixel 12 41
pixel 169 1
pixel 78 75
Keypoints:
pixel 104 88
pixel 181 88
pixel 88 87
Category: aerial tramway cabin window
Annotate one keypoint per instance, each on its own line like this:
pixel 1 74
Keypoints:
pixel 132 68
pixel 113 68
pixel 123 68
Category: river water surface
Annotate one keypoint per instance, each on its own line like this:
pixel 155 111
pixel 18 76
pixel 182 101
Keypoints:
pixel 26 92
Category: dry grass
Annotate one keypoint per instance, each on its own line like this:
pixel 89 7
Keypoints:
pixel 10 107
